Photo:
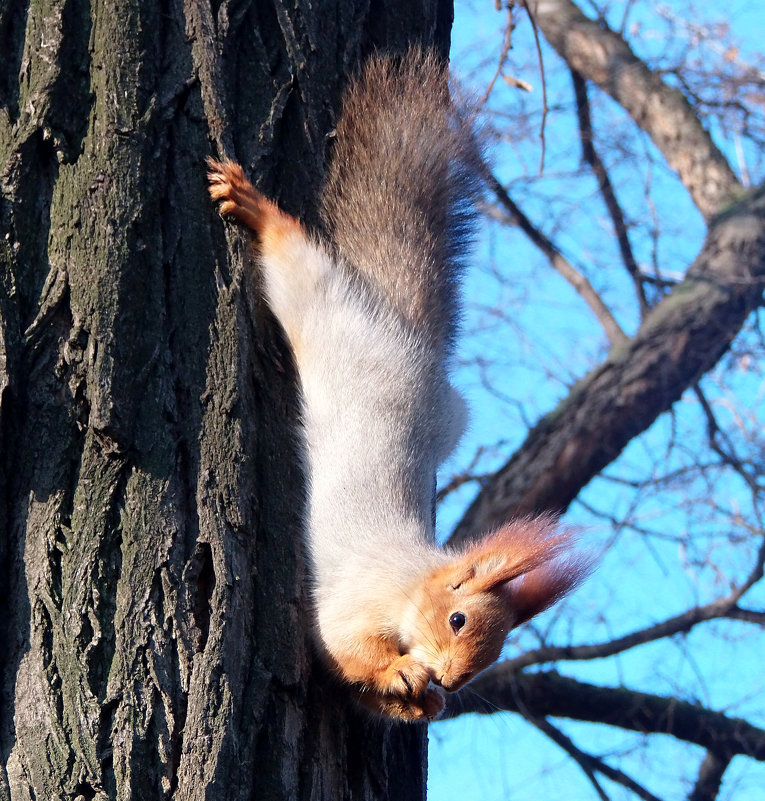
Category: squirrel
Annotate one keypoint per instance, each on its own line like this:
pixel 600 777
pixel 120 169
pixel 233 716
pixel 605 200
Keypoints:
pixel 368 308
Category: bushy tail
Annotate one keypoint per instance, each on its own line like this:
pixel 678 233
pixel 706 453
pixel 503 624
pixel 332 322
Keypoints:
pixel 398 203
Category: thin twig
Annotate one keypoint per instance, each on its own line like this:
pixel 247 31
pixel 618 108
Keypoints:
pixel 714 432
pixel 506 46
pixel 625 13
pixel 543 79
pixel 465 477
pixel 580 283
pixel 591 156
pixel 591 764
pixel 679 624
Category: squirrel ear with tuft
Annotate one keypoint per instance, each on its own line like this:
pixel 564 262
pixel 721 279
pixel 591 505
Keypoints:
pixel 492 568
pixel 544 586
pixel 513 550
pixel 454 574
pixel 482 567
pixel 528 561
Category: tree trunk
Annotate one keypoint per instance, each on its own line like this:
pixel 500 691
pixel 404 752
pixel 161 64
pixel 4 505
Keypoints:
pixel 153 605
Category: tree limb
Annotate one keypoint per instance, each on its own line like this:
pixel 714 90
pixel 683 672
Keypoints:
pixel 603 57
pixel 710 776
pixel 680 340
pixel 548 694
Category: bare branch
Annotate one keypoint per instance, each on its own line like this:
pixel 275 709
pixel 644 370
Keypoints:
pixel 580 283
pixel 682 338
pixel 504 50
pixel 714 432
pixel 591 764
pixel 548 694
pixel 679 624
pixel 710 777
pixel 747 615
pixel 464 477
pixel 543 80
pixel 584 760
pixel 603 57
pixel 591 156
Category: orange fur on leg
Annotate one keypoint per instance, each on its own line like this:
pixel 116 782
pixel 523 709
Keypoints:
pixel 380 666
pixel 389 683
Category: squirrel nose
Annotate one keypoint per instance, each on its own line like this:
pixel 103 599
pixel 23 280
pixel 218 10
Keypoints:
pixel 455 684
pixel 437 681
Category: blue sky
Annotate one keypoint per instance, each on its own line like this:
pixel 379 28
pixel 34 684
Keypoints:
pixel 640 580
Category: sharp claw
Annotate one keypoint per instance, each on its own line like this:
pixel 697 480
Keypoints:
pixel 406 681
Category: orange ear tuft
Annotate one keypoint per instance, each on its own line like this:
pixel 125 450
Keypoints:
pixel 513 550
pixel 528 560
pixel 544 586
pixel 453 575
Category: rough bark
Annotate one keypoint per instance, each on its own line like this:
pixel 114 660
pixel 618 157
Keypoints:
pixel 152 605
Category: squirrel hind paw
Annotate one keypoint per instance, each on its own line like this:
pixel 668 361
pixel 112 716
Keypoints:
pixel 425 707
pixel 227 180
pixel 229 184
pixel 432 703
pixel 239 198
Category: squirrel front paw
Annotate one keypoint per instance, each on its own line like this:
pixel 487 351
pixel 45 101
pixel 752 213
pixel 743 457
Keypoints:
pixel 402 692
pixel 398 688
pixel 405 677
pixel 411 709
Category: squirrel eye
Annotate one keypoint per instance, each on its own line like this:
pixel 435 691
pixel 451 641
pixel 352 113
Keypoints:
pixel 457 620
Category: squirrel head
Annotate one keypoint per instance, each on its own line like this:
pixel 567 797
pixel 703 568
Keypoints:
pixel 466 608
